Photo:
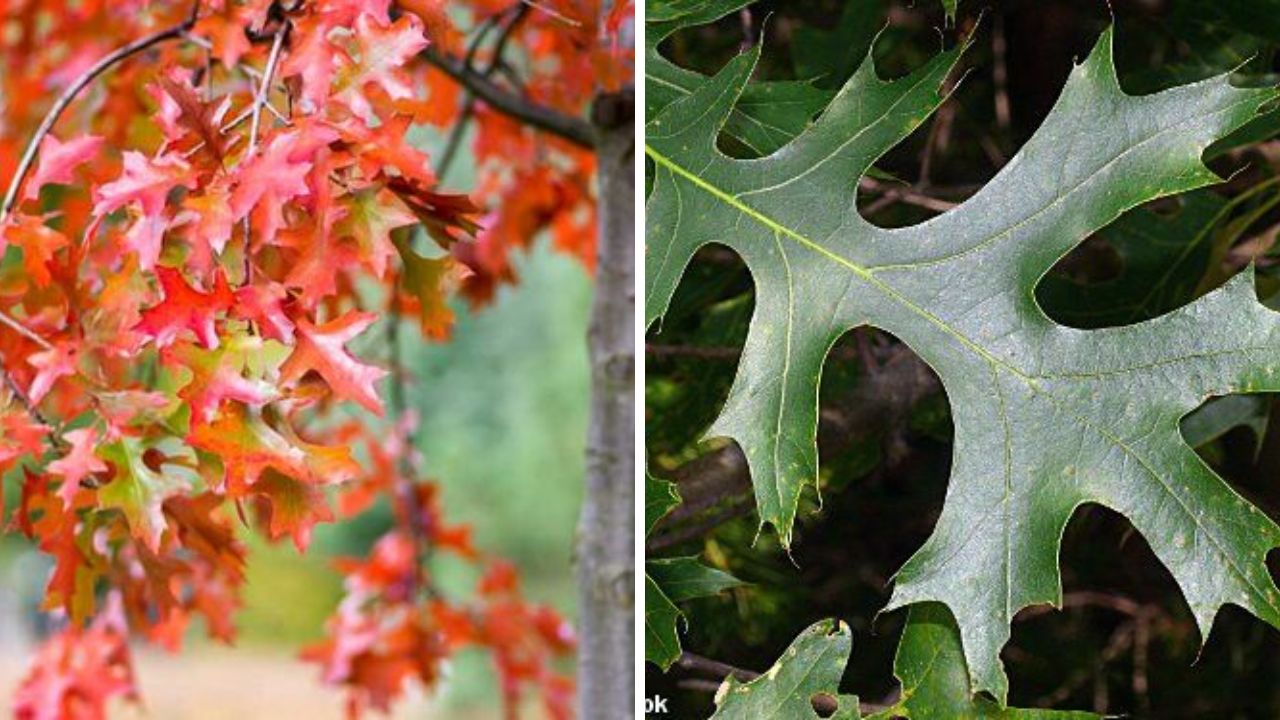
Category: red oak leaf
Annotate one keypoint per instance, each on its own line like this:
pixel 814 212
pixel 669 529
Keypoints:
pixel 291 507
pixel 79 463
pixel 369 217
pixel 57 362
pixel 383 51
pixel 197 125
pixel 58 159
pixel 145 182
pixel 38 242
pixel 217 375
pixel 20 435
pixel 313 60
pixel 77 672
pixel 425 285
pixel 248 447
pixel 186 308
pixel 322 349
pixel 209 221
pixel 264 304
pixel 276 175
pixel 435 18
pixel 380 149
pixel 193 520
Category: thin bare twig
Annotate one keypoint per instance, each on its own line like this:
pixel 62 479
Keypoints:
pixel 715 668
pixel 65 99
pixel 469 104
pixel 264 88
pixel 552 12
pixel 571 128
pixel 259 101
pixel 907 195
pixel 24 331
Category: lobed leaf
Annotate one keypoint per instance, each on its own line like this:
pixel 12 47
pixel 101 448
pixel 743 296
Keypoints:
pixel 1047 417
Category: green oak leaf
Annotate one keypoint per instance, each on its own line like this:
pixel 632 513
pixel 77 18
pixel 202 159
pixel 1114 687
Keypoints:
pixel 661 639
pixel 1166 260
pixel 930 667
pixel 829 57
pixel 685 578
pixel 764 117
pixel 668 581
pixel 136 490
pixel 811 665
pixel 660 497
pixel 1047 417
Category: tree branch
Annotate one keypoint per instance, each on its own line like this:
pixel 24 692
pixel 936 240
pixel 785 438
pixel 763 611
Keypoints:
pixel 575 130
pixel 469 104
pixel 64 100
pixel 405 488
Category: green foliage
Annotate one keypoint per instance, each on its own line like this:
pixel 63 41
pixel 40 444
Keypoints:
pixel 811 666
pixel 930 666
pixel 1047 417
pixel 668 581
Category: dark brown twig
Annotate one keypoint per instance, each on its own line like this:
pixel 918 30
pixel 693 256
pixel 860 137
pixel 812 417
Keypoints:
pixel 883 398
pixel 905 194
pixel 574 129
pixel 469 104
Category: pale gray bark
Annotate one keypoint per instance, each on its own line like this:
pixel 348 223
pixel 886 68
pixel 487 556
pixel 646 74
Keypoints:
pixel 605 552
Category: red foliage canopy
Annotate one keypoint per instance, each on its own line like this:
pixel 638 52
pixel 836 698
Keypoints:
pixel 202 192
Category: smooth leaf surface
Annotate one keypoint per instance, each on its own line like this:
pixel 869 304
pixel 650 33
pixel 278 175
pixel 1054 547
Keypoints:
pixel 811 665
pixel 1047 417
pixel 765 116
pixel 660 498
pixel 685 578
pixel 661 639
pixel 930 667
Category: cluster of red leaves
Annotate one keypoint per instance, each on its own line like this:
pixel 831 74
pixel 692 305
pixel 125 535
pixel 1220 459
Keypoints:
pixel 78 672
pixel 394 627
pixel 181 277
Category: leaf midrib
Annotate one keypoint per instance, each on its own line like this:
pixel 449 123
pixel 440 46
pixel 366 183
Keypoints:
pixel 889 291
pixel 861 272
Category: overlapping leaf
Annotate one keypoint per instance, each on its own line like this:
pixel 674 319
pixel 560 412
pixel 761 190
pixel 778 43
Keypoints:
pixel 811 665
pixel 929 665
pixel 668 581
pixel 1047 417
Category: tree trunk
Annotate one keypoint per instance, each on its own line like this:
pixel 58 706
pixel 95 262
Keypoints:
pixel 605 552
